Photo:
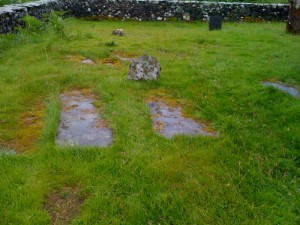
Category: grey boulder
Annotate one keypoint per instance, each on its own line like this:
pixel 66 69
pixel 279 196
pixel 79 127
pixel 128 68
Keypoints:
pixel 118 32
pixel 144 68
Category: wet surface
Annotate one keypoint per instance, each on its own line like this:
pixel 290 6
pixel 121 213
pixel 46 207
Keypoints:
pixel 126 58
pixel 169 121
pixel 80 122
pixel 7 152
pixel 87 61
pixel 287 89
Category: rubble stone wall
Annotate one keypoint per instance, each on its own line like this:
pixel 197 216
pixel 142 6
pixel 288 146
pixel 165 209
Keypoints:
pixel 143 10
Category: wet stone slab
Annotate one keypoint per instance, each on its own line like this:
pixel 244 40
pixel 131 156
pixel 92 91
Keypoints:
pixel 80 122
pixel 7 152
pixel 169 121
pixel 285 88
pixel 87 61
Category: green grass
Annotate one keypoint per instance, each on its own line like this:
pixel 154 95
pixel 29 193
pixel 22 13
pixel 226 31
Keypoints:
pixel 248 175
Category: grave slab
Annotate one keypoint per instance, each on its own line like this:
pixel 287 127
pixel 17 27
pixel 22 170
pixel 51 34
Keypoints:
pixel 285 88
pixel 215 22
pixel 87 61
pixel 168 121
pixel 81 123
pixel 7 152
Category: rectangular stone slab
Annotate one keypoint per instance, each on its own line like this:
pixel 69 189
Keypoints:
pixel 168 121
pixel 285 88
pixel 80 122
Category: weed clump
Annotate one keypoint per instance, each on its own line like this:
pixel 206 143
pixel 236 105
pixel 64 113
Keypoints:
pixel 110 44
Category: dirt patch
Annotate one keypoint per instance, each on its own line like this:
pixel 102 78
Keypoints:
pixel 28 131
pixel 76 58
pixel 161 95
pixel 64 204
pixel 110 61
pixel 32 125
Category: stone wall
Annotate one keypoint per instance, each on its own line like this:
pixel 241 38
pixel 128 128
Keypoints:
pixel 10 15
pixel 172 10
pixel 143 10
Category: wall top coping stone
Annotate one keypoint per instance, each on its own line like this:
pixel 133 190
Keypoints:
pixel 13 7
pixel 200 2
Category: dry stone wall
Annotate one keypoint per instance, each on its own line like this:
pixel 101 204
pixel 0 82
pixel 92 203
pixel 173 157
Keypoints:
pixel 172 10
pixel 143 10
pixel 10 15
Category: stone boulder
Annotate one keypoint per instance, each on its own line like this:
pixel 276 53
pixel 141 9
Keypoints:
pixel 118 32
pixel 144 68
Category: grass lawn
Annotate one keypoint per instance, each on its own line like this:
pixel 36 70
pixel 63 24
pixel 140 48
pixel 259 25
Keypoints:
pixel 247 175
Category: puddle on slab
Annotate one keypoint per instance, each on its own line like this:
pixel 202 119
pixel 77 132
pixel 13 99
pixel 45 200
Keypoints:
pixel 64 205
pixel 169 121
pixel 80 122
pixel 287 89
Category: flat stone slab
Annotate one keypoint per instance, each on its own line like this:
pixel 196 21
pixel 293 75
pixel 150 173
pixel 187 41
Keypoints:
pixel 87 61
pixel 285 88
pixel 169 121
pixel 7 152
pixel 125 58
pixel 80 122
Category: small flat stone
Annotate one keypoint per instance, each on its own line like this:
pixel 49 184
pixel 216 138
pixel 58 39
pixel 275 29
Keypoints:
pixel 7 152
pixel 169 121
pixel 81 123
pixel 125 59
pixel 118 32
pixel 88 61
pixel 285 88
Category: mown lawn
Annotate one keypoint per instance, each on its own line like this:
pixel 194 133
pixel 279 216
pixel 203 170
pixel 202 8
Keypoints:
pixel 247 175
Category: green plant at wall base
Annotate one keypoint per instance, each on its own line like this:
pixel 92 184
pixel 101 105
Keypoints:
pixel 54 21
pixel 34 27
pixel 32 24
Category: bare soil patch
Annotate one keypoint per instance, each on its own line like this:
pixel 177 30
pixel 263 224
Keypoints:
pixel 64 204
